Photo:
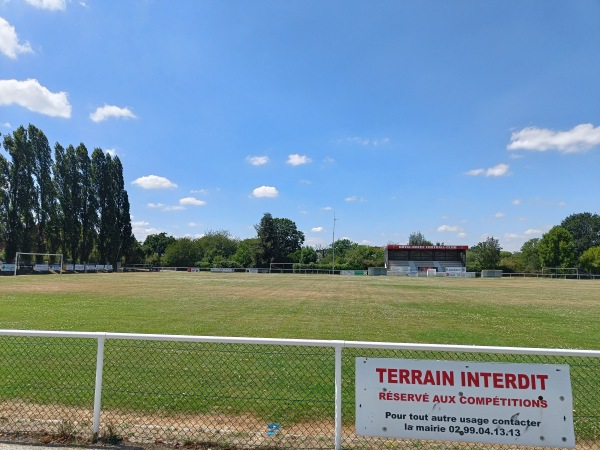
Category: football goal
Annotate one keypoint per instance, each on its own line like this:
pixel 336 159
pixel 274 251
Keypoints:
pixel 38 263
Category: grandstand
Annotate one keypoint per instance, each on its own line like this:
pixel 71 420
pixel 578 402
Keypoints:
pixel 415 260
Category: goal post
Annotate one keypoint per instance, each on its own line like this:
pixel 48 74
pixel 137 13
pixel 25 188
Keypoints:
pixel 50 262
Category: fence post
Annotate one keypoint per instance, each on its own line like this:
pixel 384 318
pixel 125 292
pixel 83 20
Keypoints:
pixel 338 397
pixel 98 388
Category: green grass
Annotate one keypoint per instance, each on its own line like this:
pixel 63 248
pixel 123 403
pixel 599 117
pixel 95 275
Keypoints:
pixel 505 312
pixel 294 384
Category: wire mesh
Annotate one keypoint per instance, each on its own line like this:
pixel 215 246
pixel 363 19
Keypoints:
pixel 222 395
pixel 47 386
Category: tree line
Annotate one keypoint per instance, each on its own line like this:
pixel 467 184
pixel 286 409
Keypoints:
pixel 71 203
pixel 277 241
pixel 575 243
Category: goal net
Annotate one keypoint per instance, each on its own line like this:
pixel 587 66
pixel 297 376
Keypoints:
pixel 31 263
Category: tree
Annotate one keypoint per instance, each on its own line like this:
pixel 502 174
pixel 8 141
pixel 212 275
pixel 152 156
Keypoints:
pixel 184 252
pixel 530 256
pixel 44 207
pixel 20 194
pixel 585 229
pixel 305 255
pixel 68 185
pixel 417 238
pixel 114 236
pixel 277 240
pixel 511 262
pixel 248 253
pixel 590 260
pixel 362 257
pixel 4 186
pixel 217 245
pixel 556 248
pixel 155 245
pixel 289 239
pixel 123 234
pixel 485 255
pixel 88 209
pixel 267 240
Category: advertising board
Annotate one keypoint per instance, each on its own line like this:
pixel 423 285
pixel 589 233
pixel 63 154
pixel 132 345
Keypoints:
pixel 497 403
pixel 8 267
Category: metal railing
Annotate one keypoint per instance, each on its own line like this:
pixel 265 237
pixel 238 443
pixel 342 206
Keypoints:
pixel 228 392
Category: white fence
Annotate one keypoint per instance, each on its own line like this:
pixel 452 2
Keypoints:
pixel 233 391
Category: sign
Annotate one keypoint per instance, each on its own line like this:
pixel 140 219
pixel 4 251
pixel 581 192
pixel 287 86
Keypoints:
pixel 427 247
pixel 8 267
pixel 497 403
pixel 456 269
pixel 41 267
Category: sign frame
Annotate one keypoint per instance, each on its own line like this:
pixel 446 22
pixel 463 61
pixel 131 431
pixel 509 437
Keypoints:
pixel 478 402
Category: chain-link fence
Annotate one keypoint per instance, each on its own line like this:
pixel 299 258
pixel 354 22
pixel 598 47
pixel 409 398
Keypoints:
pixel 231 393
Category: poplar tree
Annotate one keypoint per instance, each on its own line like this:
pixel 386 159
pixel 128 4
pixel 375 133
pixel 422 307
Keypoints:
pixel 68 186
pixel 87 213
pixel 20 194
pixel 44 202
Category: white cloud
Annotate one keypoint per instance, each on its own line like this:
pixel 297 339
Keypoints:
pixel 53 5
pixel 496 171
pixel 354 198
pixel 164 207
pixel 107 111
pixel 327 208
pixel 533 232
pixel 462 235
pixel 258 160
pixel 9 41
pixel 516 201
pixel 7 125
pixel 476 172
pixel 366 141
pixel 141 230
pixel 154 182
pixel 112 152
pixel 298 160
pixel 449 229
pixel 499 214
pixel 191 201
pixel 317 229
pixel 32 95
pixel 578 139
pixel 265 192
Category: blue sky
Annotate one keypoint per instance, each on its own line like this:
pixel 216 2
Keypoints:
pixel 458 119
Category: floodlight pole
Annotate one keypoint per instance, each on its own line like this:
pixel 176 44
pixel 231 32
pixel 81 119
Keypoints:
pixel 333 247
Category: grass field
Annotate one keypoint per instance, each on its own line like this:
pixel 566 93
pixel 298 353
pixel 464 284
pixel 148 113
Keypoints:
pixel 271 383
pixel 500 312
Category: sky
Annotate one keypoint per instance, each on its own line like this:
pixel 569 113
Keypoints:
pixel 370 121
